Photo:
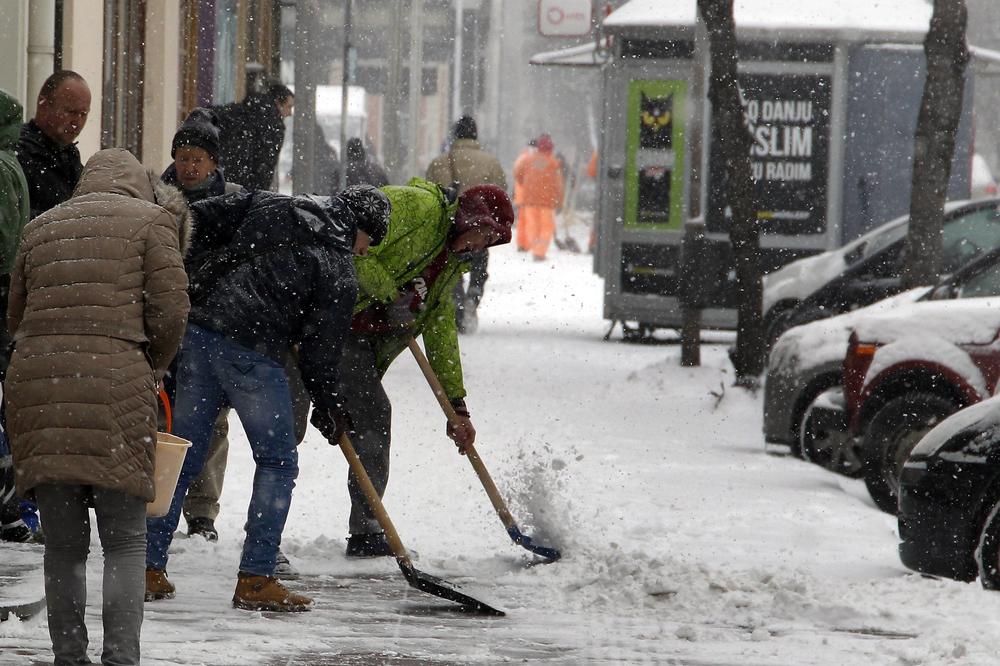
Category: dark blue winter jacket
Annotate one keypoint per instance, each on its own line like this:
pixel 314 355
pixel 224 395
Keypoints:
pixel 269 271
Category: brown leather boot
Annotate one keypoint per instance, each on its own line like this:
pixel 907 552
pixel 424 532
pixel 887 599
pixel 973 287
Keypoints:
pixel 157 585
pixel 265 593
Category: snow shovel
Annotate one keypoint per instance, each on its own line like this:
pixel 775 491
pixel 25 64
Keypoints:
pixel 550 554
pixel 418 579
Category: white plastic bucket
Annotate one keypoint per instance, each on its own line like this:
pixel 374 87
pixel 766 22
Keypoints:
pixel 170 453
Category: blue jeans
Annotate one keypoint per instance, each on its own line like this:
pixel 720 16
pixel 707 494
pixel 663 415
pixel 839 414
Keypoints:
pixel 212 373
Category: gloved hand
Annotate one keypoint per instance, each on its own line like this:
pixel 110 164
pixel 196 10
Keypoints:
pixel 463 433
pixel 401 313
pixel 332 423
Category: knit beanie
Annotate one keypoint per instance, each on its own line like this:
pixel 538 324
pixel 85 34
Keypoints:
pixel 199 129
pixel 371 208
pixel 465 128
pixel 485 205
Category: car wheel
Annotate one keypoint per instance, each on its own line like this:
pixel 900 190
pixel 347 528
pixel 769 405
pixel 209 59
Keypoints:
pixel 823 437
pixel 988 550
pixel 891 435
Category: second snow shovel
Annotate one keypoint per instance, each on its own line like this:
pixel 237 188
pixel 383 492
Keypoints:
pixel 416 578
pixel 513 531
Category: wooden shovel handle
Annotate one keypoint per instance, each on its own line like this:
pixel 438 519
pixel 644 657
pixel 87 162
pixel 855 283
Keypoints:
pixel 477 463
pixel 374 501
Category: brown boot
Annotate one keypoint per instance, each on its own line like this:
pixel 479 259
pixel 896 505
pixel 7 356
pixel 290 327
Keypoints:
pixel 157 585
pixel 265 593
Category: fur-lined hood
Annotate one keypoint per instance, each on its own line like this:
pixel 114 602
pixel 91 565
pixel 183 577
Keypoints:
pixel 174 202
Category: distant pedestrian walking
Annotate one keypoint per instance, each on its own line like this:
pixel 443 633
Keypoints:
pixel 467 164
pixel 98 303
pixel 540 182
pixel 46 148
pixel 251 133
pixel 361 168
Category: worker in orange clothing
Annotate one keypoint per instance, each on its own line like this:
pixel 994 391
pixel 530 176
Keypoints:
pixel 522 241
pixel 540 182
pixel 592 174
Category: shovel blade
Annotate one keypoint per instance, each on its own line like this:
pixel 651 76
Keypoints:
pixel 550 554
pixel 442 588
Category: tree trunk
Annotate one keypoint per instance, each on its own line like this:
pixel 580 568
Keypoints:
pixel 729 129
pixel 934 143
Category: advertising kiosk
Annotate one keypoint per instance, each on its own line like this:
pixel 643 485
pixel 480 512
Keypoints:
pixel 832 90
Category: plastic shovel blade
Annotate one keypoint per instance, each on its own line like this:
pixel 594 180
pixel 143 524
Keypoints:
pixel 550 554
pixel 442 588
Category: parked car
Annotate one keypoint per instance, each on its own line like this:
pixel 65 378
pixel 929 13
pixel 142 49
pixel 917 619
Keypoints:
pixel 949 498
pixel 868 269
pixel 908 369
pixel 803 395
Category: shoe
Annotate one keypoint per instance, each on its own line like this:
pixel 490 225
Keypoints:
pixel 283 569
pixel 537 258
pixel 470 320
pixel 157 585
pixel 368 545
pixel 203 527
pixel 265 593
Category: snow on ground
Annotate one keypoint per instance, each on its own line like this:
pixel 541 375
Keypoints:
pixel 684 541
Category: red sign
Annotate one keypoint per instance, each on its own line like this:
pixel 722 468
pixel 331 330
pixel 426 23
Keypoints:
pixel 564 18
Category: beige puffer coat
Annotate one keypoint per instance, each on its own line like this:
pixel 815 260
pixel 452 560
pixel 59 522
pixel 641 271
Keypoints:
pixel 98 304
pixel 468 164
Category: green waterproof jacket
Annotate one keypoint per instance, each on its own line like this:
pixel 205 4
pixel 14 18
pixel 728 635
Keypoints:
pixel 418 232
pixel 14 210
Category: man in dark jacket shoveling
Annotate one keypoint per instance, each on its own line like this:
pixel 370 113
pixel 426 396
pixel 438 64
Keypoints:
pixel 267 272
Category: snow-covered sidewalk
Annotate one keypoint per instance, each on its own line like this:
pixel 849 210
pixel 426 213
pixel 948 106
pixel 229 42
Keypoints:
pixel 684 541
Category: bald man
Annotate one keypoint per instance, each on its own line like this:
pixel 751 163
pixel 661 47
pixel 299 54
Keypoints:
pixel 47 146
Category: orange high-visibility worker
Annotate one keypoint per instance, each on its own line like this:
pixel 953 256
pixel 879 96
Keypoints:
pixel 539 180
pixel 521 240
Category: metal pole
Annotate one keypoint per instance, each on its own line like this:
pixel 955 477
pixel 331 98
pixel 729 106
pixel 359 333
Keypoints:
pixel 344 85
pixel 304 135
pixel 456 92
pixel 416 78
pixel 393 99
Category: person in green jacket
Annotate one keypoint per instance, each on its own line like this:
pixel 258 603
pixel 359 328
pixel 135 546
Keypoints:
pixel 406 287
pixel 14 209
pixel 14 214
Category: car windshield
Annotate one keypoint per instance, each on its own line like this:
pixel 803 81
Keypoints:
pixel 983 283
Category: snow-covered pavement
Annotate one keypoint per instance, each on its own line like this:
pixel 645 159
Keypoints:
pixel 684 541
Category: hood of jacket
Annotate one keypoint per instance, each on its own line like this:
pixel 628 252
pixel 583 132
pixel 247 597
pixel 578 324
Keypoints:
pixel 11 117
pixel 328 218
pixel 115 171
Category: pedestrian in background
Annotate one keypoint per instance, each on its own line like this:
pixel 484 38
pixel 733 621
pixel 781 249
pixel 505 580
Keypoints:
pixel 47 146
pixel 361 168
pixel 465 165
pixel 251 133
pixel 98 304
pixel 539 177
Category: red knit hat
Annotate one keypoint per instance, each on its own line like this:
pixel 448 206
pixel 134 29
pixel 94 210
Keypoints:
pixel 485 205
pixel 545 143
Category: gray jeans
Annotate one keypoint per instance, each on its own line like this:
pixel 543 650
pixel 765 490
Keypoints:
pixel 121 525
pixel 367 403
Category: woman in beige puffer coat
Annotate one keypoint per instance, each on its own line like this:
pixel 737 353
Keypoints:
pixel 98 305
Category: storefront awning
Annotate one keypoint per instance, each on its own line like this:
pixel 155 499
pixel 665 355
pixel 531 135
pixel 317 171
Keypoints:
pixel 585 55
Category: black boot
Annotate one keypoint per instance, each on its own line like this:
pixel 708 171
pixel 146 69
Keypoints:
pixel 368 545
pixel 203 527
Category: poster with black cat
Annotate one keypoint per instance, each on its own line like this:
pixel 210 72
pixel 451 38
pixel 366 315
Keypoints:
pixel 789 120
pixel 654 185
